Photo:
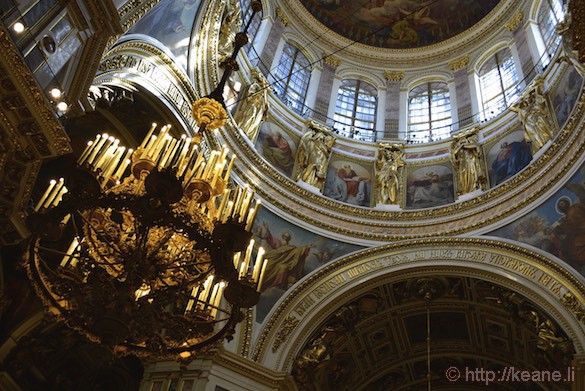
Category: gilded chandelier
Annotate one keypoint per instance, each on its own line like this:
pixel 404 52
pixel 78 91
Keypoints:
pixel 161 263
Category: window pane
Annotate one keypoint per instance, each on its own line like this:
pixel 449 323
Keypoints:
pixel 429 112
pixel 355 110
pixel 293 73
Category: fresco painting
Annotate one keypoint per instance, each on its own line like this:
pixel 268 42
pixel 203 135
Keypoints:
pixel 170 22
pixel 430 186
pixel 507 157
pixel 277 147
pixel 557 226
pixel 349 182
pixel 291 253
pixel 564 95
pixel 399 24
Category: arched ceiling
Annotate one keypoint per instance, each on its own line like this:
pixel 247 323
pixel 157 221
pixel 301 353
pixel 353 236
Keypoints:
pixel 399 24
pixel 379 340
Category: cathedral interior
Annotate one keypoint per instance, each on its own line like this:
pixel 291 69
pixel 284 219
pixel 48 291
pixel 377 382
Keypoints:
pixel 226 195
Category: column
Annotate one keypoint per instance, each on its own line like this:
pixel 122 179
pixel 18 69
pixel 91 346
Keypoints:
pixel 536 43
pixel 327 85
pixel 403 114
pixel 392 104
pixel 522 47
pixel 463 103
pixel 380 114
pixel 313 88
pixel 273 41
pixel 262 34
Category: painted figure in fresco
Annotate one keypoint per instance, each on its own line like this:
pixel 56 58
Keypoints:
pixel 566 95
pixel 389 166
pixel 253 109
pixel 277 151
pixel 230 26
pixel 345 185
pixel 431 191
pixel 511 158
pixel 466 156
pixel 285 262
pixel 313 155
pixel 571 229
pixel 535 115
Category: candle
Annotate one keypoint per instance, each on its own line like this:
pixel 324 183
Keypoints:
pixel 59 196
pixel 147 138
pixel 213 295
pixel 217 300
pixel 252 215
pixel 52 184
pixel 169 150
pixel 87 150
pixel 246 263
pixel 230 205
pixel 192 299
pixel 110 147
pixel 125 162
pixel 257 265
pixel 104 137
pixel 54 193
pixel 229 169
pixel 261 280
pixel 222 204
pixel 182 162
pixel 237 260
pixel 148 147
pixel 70 251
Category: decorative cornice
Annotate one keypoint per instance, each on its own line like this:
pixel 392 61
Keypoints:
pixel 282 16
pixel 332 61
pixel 394 75
pixel 515 21
pixel 459 63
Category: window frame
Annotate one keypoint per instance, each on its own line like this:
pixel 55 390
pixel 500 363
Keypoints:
pixel 435 119
pixel 355 114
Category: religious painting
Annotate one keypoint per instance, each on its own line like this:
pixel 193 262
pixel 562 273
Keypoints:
pixel 557 226
pixel 277 147
pixel 564 95
pixel 291 253
pixel 507 156
pixel 348 181
pixel 170 22
pixel 399 24
pixel 429 186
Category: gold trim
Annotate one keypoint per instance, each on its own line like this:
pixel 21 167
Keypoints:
pixel 394 75
pixel 460 63
pixel 332 61
pixel 282 16
pixel 515 21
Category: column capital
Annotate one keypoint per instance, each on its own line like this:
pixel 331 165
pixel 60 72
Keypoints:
pixel 394 75
pixel 332 60
pixel 459 63
pixel 280 14
pixel 515 21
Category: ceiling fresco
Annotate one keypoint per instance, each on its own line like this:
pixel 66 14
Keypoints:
pixel 399 24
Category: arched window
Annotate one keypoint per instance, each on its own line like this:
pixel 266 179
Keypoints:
pixel 355 110
pixel 254 26
pixel 292 74
pixel 498 83
pixel 429 112
pixel 550 13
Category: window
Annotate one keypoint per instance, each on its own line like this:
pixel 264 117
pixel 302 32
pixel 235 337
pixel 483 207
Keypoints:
pixel 254 26
pixel 355 110
pixel 429 112
pixel 551 12
pixel 498 83
pixel 292 77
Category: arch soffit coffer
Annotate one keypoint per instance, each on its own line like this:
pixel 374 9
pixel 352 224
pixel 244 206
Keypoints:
pixel 542 279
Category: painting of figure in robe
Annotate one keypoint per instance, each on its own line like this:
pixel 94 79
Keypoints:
pixel 291 254
pixel 277 147
pixel 507 157
pixel 564 95
pixel 348 182
pixel 430 186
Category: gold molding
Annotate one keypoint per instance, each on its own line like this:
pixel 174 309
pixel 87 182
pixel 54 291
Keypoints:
pixel 394 75
pixel 515 21
pixel 459 63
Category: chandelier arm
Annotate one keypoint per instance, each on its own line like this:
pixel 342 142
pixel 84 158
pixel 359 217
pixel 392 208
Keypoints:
pixel 114 245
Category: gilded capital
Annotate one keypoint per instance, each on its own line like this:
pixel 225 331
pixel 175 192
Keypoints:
pixel 515 21
pixel 394 75
pixel 332 61
pixel 280 14
pixel 460 63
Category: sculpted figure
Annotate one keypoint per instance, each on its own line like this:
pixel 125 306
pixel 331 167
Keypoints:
pixel 231 25
pixel 388 173
pixel 535 115
pixel 253 109
pixel 313 155
pixel 466 156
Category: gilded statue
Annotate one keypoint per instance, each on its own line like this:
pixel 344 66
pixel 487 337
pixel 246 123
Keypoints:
pixel 466 156
pixel 313 155
pixel 569 54
pixel 535 115
pixel 389 173
pixel 230 26
pixel 253 109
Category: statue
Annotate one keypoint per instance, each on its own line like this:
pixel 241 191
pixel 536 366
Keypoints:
pixel 534 115
pixel 466 156
pixel 388 173
pixel 230 26
pixel 569 54
pixel 313 155
pixel 253 109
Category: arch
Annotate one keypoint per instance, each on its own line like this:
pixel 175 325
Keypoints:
pixel 293 38
pixel 347 72
pixel 499 45
pixel 544 279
